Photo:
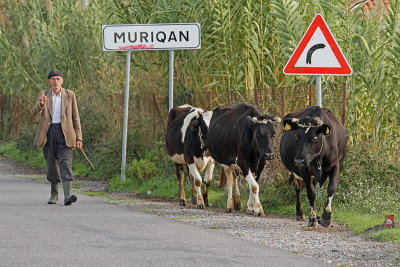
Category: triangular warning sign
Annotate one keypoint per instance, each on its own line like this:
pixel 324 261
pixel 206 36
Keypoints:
pixel 318 53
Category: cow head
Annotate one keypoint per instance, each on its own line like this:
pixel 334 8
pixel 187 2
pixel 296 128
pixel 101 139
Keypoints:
pixel 308 132
pixel 259 134
pixel 200 125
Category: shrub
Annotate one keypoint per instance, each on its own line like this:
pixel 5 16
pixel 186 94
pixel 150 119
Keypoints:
pixel 141 170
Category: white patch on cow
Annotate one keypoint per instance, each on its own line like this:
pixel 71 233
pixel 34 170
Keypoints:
pixel 195 112
pixel 196 182
pixel 195 172
pixel 209 171
pixel 207 117
pixel 329 206
pixel 307 129
pixel 229 187
pixel 233 167
pixel 201 163
pixel 253 203
pixel 178 158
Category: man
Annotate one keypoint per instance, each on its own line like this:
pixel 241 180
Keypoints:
pixel 59 131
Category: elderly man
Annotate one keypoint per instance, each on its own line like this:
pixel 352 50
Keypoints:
pixel 59 131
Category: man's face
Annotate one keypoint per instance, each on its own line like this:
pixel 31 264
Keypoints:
pixel 56 82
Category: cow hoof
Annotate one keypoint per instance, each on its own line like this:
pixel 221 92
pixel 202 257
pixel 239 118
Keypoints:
pixel 249 212
pixel 201 206
pixel 194 200
pixel 237 206
pixel 301 218
pixel 229 210
pixel 313 222
pixel 326 219
pixel 259 214
pixel 182 202
pixel 206 203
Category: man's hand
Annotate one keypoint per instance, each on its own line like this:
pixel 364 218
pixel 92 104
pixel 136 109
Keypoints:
pixel 79 144
pixel 42 99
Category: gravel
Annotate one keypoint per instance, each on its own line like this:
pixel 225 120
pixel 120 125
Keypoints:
pixel 335 244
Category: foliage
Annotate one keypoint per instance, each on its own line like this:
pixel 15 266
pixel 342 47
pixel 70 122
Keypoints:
pixel 369 182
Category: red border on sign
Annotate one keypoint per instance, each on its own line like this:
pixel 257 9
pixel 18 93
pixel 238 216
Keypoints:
pixel 344 68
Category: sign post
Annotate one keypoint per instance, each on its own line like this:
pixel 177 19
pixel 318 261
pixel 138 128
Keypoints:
pixel 318 54
pixel 130 37
pixel 126 108
pixel 171 80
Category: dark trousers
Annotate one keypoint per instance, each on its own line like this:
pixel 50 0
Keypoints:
pixel 58 156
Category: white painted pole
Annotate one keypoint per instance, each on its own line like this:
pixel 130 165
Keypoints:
pixel 319 91
pixel 171 80
pixel 125 122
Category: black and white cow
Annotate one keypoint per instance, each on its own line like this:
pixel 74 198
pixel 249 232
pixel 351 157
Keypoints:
pixel 185 138
pixel 313 147
pixel 240 138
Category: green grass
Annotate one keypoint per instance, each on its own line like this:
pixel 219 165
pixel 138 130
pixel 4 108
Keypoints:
pixel 359 222
pixel 391 235
pixel 32 157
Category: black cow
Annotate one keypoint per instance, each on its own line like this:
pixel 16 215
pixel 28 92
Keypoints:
pixel 185 141
pixel 313 147
pixel 240 138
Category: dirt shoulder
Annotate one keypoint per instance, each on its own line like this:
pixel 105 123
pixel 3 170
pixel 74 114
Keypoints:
pixel 335 244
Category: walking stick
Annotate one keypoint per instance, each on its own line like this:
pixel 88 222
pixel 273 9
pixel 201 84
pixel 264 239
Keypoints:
pixel 83 152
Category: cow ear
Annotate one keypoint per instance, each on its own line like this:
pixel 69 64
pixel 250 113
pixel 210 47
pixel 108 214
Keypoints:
pixel 288 124
pixel 325 129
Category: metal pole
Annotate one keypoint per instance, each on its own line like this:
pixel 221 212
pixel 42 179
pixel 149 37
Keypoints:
pixel 171 80
pixel 319 93
pixel 125 123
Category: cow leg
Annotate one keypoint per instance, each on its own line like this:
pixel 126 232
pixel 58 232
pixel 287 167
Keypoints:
pixel 207 179
pixel 253 204
pixel 229 184
pixel 236 193
pixel 260 168
pixel 332 186
pixel 313 219
pixel 196 186
pixel 194 196
pixel 298 186
pixel 181 175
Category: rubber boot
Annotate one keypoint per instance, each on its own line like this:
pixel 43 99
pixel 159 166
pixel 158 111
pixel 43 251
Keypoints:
pixel 68 198
pixel 54 194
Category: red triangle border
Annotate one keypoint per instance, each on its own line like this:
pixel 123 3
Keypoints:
pixel 344 68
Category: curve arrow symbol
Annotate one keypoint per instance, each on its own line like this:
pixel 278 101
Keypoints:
pixel 311 51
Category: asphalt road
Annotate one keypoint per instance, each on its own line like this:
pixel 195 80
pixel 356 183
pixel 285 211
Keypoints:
pixel 93 232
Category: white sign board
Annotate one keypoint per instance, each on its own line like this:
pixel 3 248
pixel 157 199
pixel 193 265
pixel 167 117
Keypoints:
pixel 128 37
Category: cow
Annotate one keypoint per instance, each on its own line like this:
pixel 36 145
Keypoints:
pixel 313 148
pixel 241 139
pixel 185 139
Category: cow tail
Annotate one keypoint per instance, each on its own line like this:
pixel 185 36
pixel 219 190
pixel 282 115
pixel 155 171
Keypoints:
pixel 222 180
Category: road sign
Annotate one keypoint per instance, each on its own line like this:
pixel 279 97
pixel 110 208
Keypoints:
pixel 130 37
pixel 161 36
pixel 318 53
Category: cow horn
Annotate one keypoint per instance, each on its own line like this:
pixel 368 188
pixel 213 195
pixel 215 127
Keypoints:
pixel 318 120
pixel 254 119
pixel 277 119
